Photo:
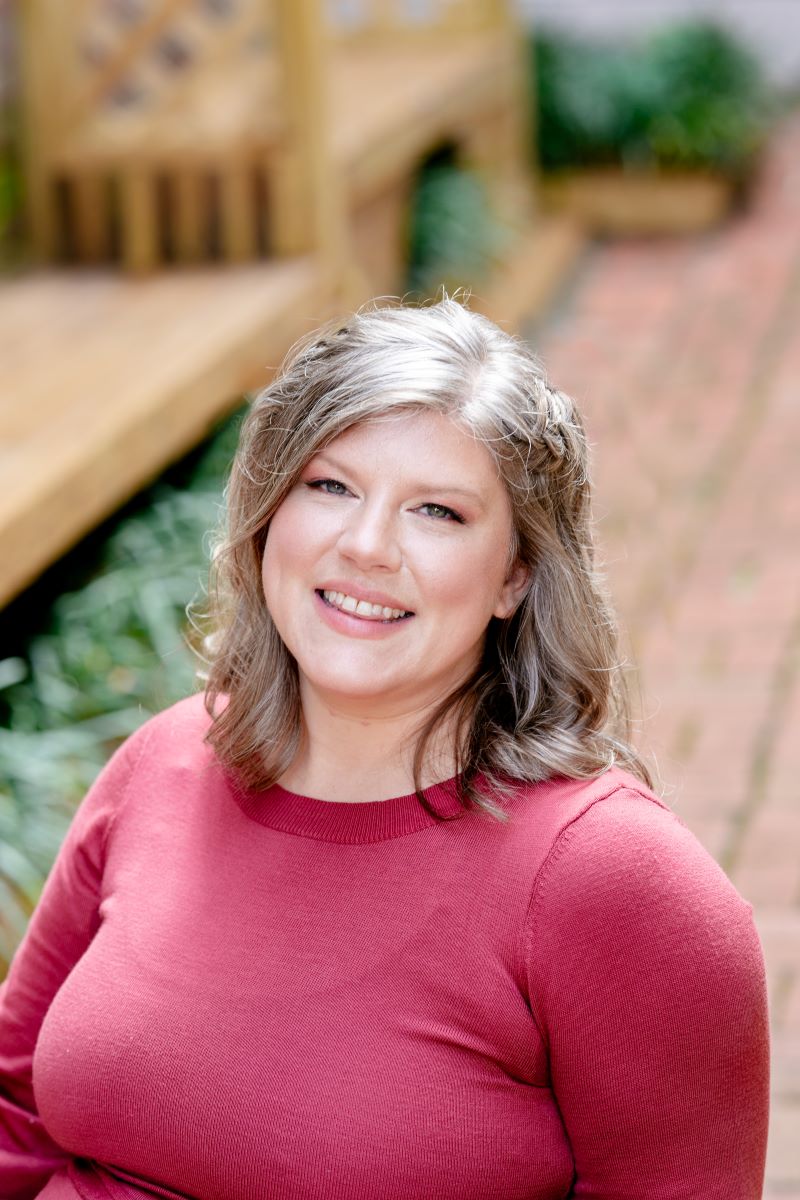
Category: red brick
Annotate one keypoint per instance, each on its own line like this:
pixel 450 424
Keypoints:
pixel 685 357
pixel 790 1016
pixel 783 1148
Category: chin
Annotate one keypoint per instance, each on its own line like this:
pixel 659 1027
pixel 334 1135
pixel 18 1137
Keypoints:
pixel 353 689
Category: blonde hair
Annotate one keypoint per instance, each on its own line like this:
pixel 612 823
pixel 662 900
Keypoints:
pixel 548 697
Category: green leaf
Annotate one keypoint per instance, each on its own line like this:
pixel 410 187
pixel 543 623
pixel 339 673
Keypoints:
pixel 690 95
pixel 111 653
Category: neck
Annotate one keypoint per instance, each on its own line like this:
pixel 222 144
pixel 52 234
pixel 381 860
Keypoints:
pixel 346 756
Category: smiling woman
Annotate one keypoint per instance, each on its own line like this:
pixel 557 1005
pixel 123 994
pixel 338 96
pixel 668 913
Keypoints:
pixel 416 458
pixel 381 590
pixel 392 910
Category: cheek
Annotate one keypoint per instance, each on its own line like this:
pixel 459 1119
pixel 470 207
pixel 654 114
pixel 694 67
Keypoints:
pixel 271 553
pixel 278 556
pixel 279 568
pixel 287 539
pixel 471 579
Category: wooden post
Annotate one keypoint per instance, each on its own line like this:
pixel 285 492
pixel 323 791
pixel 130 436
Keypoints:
pixel 288 201
pixel 90 217
pixel 189 216
pixel 139 221
pixel 307 197
pixel 500 145
pixel 237 212
pixel 42 28
pixel 499 13
pixel 383 16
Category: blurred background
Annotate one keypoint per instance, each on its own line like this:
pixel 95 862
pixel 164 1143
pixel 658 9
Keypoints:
pixel 187 186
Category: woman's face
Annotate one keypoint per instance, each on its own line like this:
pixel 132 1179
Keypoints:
pixel 386 561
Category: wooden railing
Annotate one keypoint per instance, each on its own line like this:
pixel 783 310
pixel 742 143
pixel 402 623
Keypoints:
pixel 148 95
pixel 188 128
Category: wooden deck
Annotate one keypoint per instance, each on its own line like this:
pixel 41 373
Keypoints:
pixel 105 380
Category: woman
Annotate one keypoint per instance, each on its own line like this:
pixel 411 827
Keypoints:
pixel 395 913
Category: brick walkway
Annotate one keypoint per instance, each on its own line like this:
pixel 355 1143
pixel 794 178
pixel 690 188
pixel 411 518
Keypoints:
pixel 685 356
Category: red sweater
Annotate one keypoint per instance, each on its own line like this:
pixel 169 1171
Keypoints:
pixel 261 996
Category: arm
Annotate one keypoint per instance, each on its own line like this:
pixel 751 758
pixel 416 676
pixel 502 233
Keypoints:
pixel 647 981
pixel 64 923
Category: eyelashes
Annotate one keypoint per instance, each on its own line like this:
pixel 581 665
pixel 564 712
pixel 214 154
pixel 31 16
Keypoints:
pixel 444 513
pixel 438 512
pixel 328 486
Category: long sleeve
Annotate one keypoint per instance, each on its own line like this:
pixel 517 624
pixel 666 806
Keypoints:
pixel 62 926
pixel 647 982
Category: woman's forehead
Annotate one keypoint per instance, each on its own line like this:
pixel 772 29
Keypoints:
pixel 430 432
pixel 419 449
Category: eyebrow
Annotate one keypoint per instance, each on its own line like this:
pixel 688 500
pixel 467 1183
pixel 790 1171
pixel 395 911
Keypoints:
pixel 418 486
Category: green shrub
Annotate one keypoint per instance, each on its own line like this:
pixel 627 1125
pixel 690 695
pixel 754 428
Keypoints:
pixel 454 238
pixel 688 96
pixel 9 193
pixel 113 652
pixel 13 242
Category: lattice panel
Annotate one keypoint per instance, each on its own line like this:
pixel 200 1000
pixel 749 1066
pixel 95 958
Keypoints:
pixel 155 122
pixel 142 54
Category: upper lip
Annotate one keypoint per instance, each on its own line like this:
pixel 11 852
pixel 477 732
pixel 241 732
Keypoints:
pixel 362 593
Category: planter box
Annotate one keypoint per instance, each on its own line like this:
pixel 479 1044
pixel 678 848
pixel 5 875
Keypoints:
pixel 617 202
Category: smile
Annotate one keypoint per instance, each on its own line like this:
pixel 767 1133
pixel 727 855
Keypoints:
pixel 362 608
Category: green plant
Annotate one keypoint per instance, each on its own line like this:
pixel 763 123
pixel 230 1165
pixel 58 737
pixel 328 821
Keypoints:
pixel 113 651
pixel 13 247
pixel 454 238
pixel 688 96
pixel 9 192
pixel 715 104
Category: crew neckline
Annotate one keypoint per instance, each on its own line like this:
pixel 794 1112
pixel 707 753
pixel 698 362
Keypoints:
pixel 345 822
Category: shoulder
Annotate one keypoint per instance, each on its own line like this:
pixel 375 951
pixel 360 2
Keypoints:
pixel 166 748
pixel 588 819
pixel 165 772
pixel 619 839
pixel 558 802
pixel 176 733
pixel 168 739
pixel 627 886
pixel 186 718
pixel 611 840
pixel 609 860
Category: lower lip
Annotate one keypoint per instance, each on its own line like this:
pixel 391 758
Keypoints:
pixel 344 622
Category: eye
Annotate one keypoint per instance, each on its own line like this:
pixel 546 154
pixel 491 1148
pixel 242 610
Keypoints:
pixel 442 513
pixel 332 486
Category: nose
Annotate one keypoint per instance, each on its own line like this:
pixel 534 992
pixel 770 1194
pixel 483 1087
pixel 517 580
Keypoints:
pixel 369 538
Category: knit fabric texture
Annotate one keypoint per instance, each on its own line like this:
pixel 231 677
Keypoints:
pixel 233 995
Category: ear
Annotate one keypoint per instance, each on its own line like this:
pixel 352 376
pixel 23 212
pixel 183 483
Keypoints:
pixel 512 590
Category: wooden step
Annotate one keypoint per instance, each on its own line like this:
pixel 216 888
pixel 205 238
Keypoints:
pixel 536 267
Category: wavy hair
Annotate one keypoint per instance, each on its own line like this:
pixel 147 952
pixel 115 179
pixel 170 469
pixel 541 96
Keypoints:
pixel 548 698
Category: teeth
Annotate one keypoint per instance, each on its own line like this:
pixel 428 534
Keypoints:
pixel 362 608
